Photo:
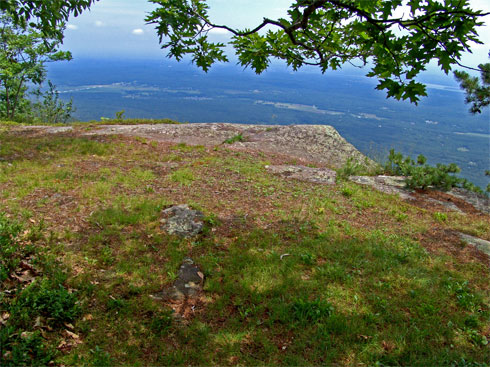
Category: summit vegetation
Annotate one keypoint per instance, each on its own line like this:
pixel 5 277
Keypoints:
pixel 295 273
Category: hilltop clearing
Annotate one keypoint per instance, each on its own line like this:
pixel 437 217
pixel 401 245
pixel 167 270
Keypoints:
pixel 272 261
pixel 317 143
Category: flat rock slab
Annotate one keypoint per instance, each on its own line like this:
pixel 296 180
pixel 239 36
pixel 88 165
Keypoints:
pixel 303 173
pixel 386 184
pixel 47 129
pixel 447 204
pixel 182 221
pixel 482 245
pixel 316 143
pixel 479 201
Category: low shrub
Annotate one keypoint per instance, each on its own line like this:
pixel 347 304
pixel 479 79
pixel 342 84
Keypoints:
pixel 48 299
pixel 22 349
pixel 45 300
pixel 234 139
pixel 354 167
pixel 420 175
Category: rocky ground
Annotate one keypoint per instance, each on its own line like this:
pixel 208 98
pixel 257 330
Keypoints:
pixel 218 244
pixel 308 145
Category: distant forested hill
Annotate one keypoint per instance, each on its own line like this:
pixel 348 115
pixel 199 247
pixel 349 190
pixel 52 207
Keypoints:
pixel 440 127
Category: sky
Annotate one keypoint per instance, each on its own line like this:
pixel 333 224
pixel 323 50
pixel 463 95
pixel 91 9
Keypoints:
pixel 116 28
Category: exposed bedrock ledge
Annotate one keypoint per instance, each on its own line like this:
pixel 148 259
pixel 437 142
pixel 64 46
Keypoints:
pixel 316 143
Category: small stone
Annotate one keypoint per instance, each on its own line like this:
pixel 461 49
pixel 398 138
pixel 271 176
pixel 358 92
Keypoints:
pixel 189 283
pixel 182 221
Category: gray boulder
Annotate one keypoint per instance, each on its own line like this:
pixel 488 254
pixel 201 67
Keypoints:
pixel 182 221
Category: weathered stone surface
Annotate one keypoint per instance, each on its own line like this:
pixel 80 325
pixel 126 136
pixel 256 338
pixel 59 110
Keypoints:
pixel 303 173
pixel 482 245
pixel 182 221
pixel 447 204
pixel 188 284
pixel 47 129
pixel 479 201
pixel 317 143
pixel 387 184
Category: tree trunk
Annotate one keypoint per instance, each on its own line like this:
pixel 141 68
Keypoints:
pixel 7 100
pixel 16 100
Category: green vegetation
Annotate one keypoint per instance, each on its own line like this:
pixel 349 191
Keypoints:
pixel 50 109
pixel 477 90
pixel 355 168
pixel 295 273
pixel 420 175
pixel 39 302
pixel 23 55
pixel 9 248
pixel 184 176
pixel 326 34
pixel 234 139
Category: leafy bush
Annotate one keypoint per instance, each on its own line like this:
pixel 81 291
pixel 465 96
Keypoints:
pixel 440 217
pixel 48 299
pixel 420 175
pixel 44 298
pixel 347 192
pixel 20 346
pixel 100 358
pixel 120 115
pixel 24 349
pixel 51 109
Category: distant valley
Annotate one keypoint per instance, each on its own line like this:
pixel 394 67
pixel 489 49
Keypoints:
pixel 440 127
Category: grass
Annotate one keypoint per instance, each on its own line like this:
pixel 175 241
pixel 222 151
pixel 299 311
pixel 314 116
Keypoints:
pixel 234 139
pixel 127 121
pixel 103 121
pixel 296 273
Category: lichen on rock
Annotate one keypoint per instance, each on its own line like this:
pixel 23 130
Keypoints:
pixel 182 221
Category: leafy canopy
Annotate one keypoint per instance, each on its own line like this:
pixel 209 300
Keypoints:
pixel 396 38
pixel 47 16
pixel 23 55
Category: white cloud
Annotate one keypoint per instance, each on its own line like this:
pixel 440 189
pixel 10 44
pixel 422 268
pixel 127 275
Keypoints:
pixel 99 23
pixel 73 27
pixel 138 31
